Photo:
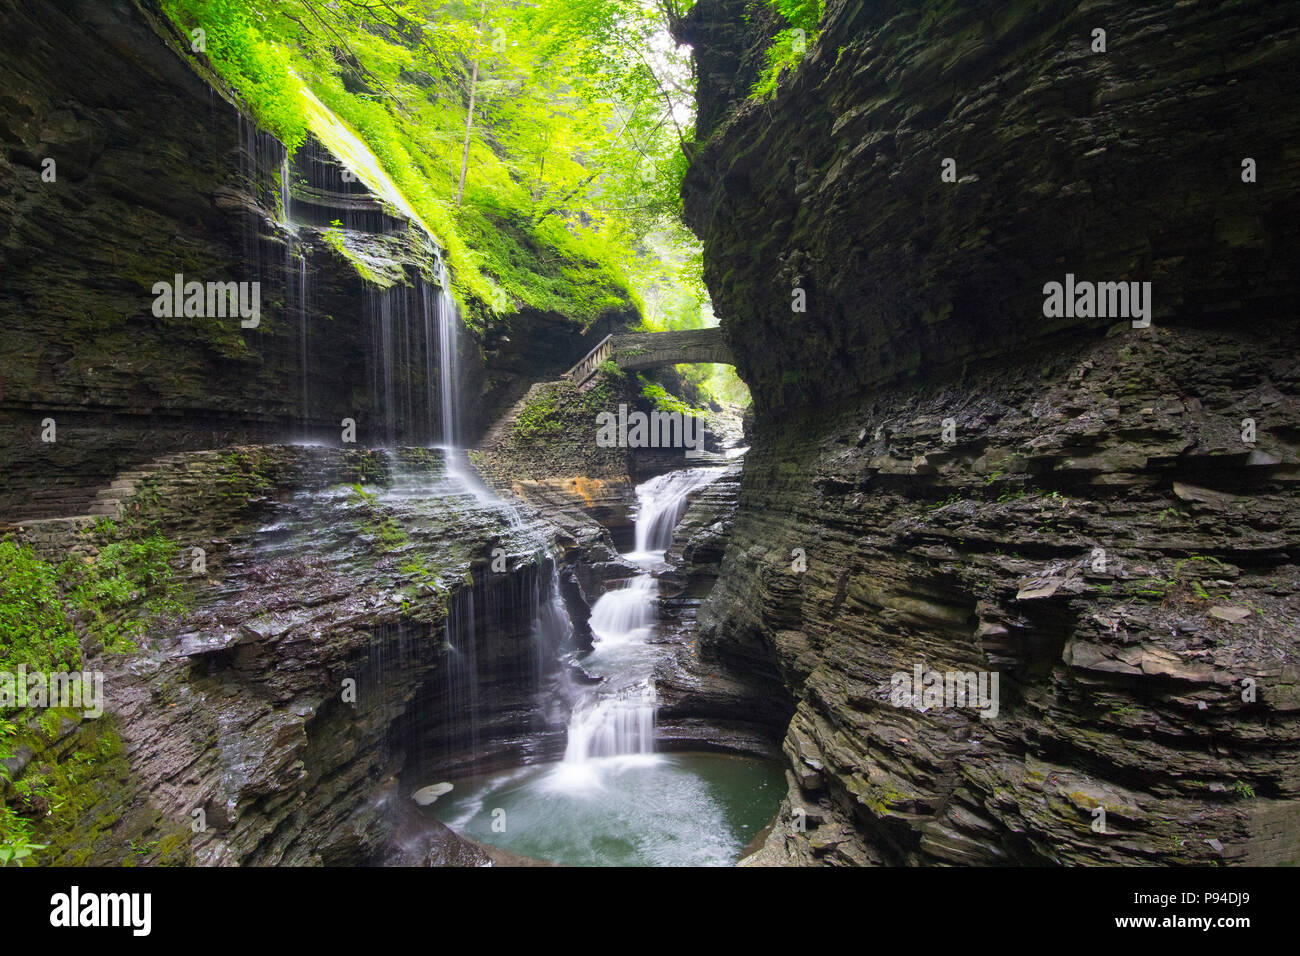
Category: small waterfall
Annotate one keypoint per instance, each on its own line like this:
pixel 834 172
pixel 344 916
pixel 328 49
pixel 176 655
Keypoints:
pixel 293 250
pixel 286 200
pixel 627 614
pixel 620 723
pixel 302 336
pixel 413 336
pixel 462 678
pixel 661 501
pixel 552 627
pixel 448 318
pixel 503 637
pixel 427 311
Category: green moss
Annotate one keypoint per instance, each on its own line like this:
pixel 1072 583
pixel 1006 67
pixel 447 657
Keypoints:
pixel 540 417
pixel 110 598
pixel 389 534
pixel 74 798
pixel 35 627
pixel 664 401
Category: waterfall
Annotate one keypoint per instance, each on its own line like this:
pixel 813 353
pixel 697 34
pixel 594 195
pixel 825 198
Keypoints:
pixel 620 723
pixel 427 309
pixel 285 198
pixel 627 614
pixel 615 726
pixel 400 317
pixel 447 321
pixel 661 501
pixel 302 335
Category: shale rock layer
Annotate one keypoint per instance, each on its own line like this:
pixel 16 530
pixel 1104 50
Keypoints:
pixel 946 478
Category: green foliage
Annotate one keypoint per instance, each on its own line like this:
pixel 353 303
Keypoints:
pixel 718 383
pixel 666 402
pixel 34 625
pixel 123 587
pixel 250 56
pixel 577 143
pixel 540 417
pixel 16 838
pixel 788 47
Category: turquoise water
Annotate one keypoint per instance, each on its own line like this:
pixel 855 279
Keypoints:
pixel 639 810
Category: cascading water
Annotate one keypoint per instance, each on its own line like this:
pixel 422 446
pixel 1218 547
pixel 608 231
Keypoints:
pixel 661 502
pixel 447 322
pixel 612 799
pixel 616 726
pixel 627 614
pixel 617 718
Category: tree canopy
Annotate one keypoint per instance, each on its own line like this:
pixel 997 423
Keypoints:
pixel 572 156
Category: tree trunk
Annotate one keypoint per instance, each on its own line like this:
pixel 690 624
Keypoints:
pixel 469 116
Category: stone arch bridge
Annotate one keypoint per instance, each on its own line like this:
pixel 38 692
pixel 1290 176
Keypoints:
pixel 638 351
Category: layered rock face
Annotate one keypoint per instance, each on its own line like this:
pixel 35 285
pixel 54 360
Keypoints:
pixel 107 188
pixel 708 702
pixel 943 478
pixel 346 640
pixel 1122 165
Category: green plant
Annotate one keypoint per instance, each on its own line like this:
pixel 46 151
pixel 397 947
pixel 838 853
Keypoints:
pixel 789 45
pixel 15 838
pixel 126 584
pixel 540 417
pixel 34 626
pixel 663 401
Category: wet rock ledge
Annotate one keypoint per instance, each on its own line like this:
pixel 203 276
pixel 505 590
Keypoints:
pixel 315 674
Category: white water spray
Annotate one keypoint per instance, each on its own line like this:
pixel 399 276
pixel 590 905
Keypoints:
pixel 617 718
pixel 661 502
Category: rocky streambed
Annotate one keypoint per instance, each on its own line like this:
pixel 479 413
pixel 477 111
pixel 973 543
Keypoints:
pixel 350 626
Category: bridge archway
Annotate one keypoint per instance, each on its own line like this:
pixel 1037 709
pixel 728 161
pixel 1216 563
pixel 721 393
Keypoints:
pixel 638 351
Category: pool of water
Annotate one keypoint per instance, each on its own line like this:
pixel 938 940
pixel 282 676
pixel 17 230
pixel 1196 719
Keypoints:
pixel 677 809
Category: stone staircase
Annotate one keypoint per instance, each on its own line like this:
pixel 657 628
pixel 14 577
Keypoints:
pixel 53 537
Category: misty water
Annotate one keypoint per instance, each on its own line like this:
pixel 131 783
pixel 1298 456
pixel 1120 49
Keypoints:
pixel 613 799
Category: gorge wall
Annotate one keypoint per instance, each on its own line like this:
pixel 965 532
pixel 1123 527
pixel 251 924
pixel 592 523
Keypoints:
pixel 349 639
pixel 945 477
pixel 159 172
